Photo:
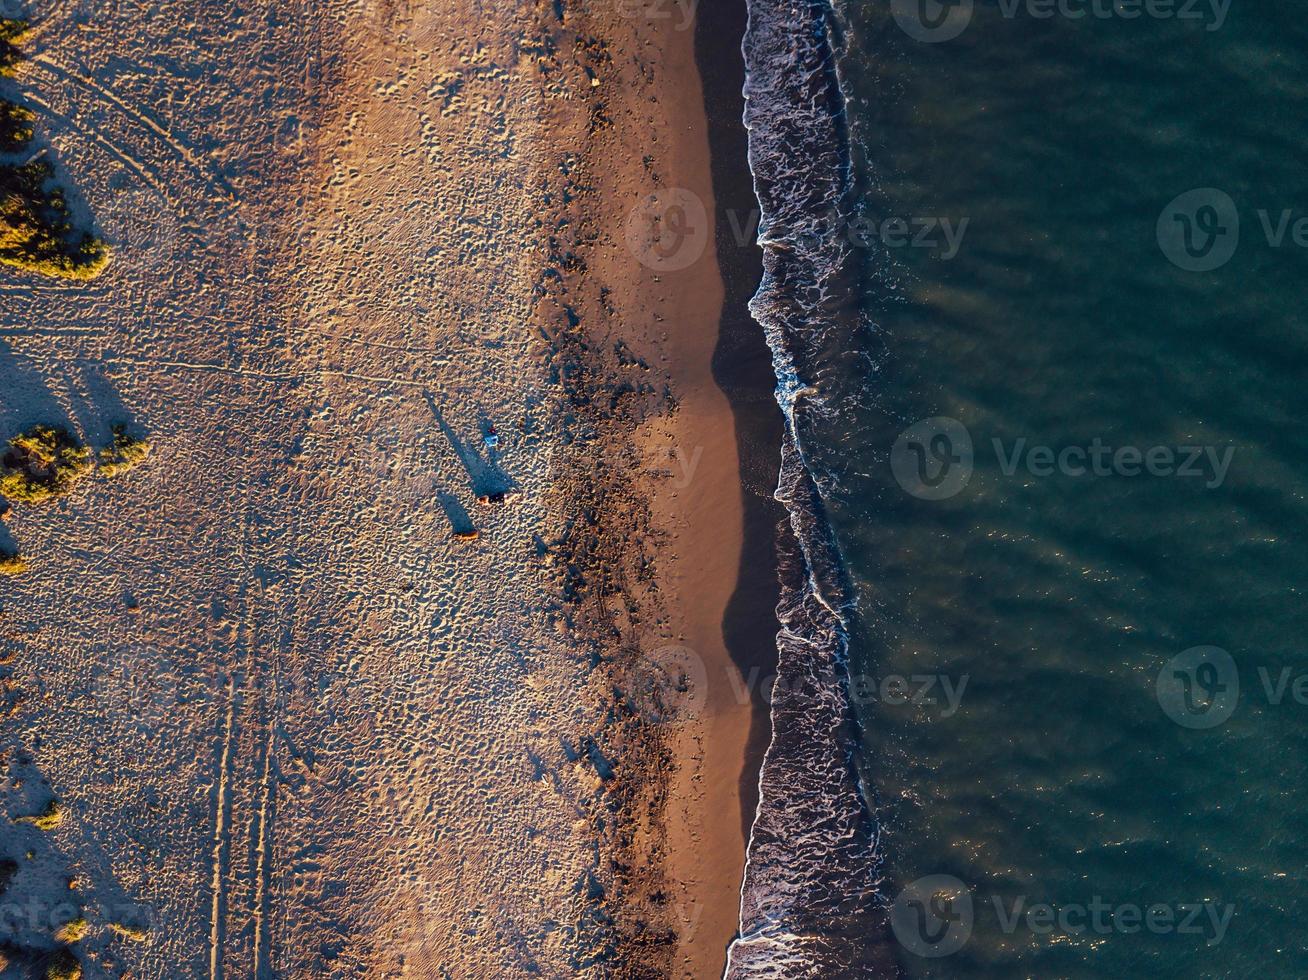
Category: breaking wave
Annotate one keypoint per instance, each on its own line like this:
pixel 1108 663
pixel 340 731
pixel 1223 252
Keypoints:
pixel 810 901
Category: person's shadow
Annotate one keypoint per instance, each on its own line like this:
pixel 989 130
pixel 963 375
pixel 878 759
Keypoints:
pixel 461 525
pixel 488 480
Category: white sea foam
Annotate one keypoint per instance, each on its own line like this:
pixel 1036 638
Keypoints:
pixel 811 898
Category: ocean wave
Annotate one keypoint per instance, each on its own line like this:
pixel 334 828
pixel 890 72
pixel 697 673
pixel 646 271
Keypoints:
pixel 811 899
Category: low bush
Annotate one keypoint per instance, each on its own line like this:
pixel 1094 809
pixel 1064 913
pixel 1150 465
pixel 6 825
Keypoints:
pixel 12 564
pixel 36 227
pixel 133 933
pixel 42 463
pixel 36 230
pixel 15 127
pixel 11 32
pixel 63 966
pixel 72 932
pixel 48 819
pixel 125 452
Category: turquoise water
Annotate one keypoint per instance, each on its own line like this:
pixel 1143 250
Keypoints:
pixel 1050 603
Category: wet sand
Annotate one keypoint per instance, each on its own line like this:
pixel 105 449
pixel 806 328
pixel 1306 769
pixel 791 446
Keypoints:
pixel 718 573
pixel 727 431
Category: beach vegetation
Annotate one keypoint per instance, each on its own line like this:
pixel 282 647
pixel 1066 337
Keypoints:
pixel 12 563
pixel 42 463
pixel 125 452
pixel 11 32
pixel 134 933
pixel 15 127
pixel 48 819
pixel 72 932
pixel 63 965
pixel 36 224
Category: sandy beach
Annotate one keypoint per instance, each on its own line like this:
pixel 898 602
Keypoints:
pixel 404 656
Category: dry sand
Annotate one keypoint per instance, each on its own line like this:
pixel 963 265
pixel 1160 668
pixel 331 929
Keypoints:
pixel 333 739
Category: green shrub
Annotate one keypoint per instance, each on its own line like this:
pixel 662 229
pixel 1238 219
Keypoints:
pixel 63 966
pixel 125 452
pixel 15 127
pixel 12 564
pixel 11 32
pixel 73 932
pixel 48 819
pixel 133 933
pixel 15 121
pixel 36 232
pixel 42 463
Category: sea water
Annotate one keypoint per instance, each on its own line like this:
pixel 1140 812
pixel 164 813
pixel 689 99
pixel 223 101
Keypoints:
pixel 1033 293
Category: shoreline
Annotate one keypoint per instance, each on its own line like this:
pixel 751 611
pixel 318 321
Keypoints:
pixel 811 885
pixel 716 585
pixel 742 368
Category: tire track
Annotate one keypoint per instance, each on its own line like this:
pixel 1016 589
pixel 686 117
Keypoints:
pixel 222 841
pixel 106 96
pixel 263 868
pixel 52 332
pixel 301 377
pixel 121 155
pixel 53 288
